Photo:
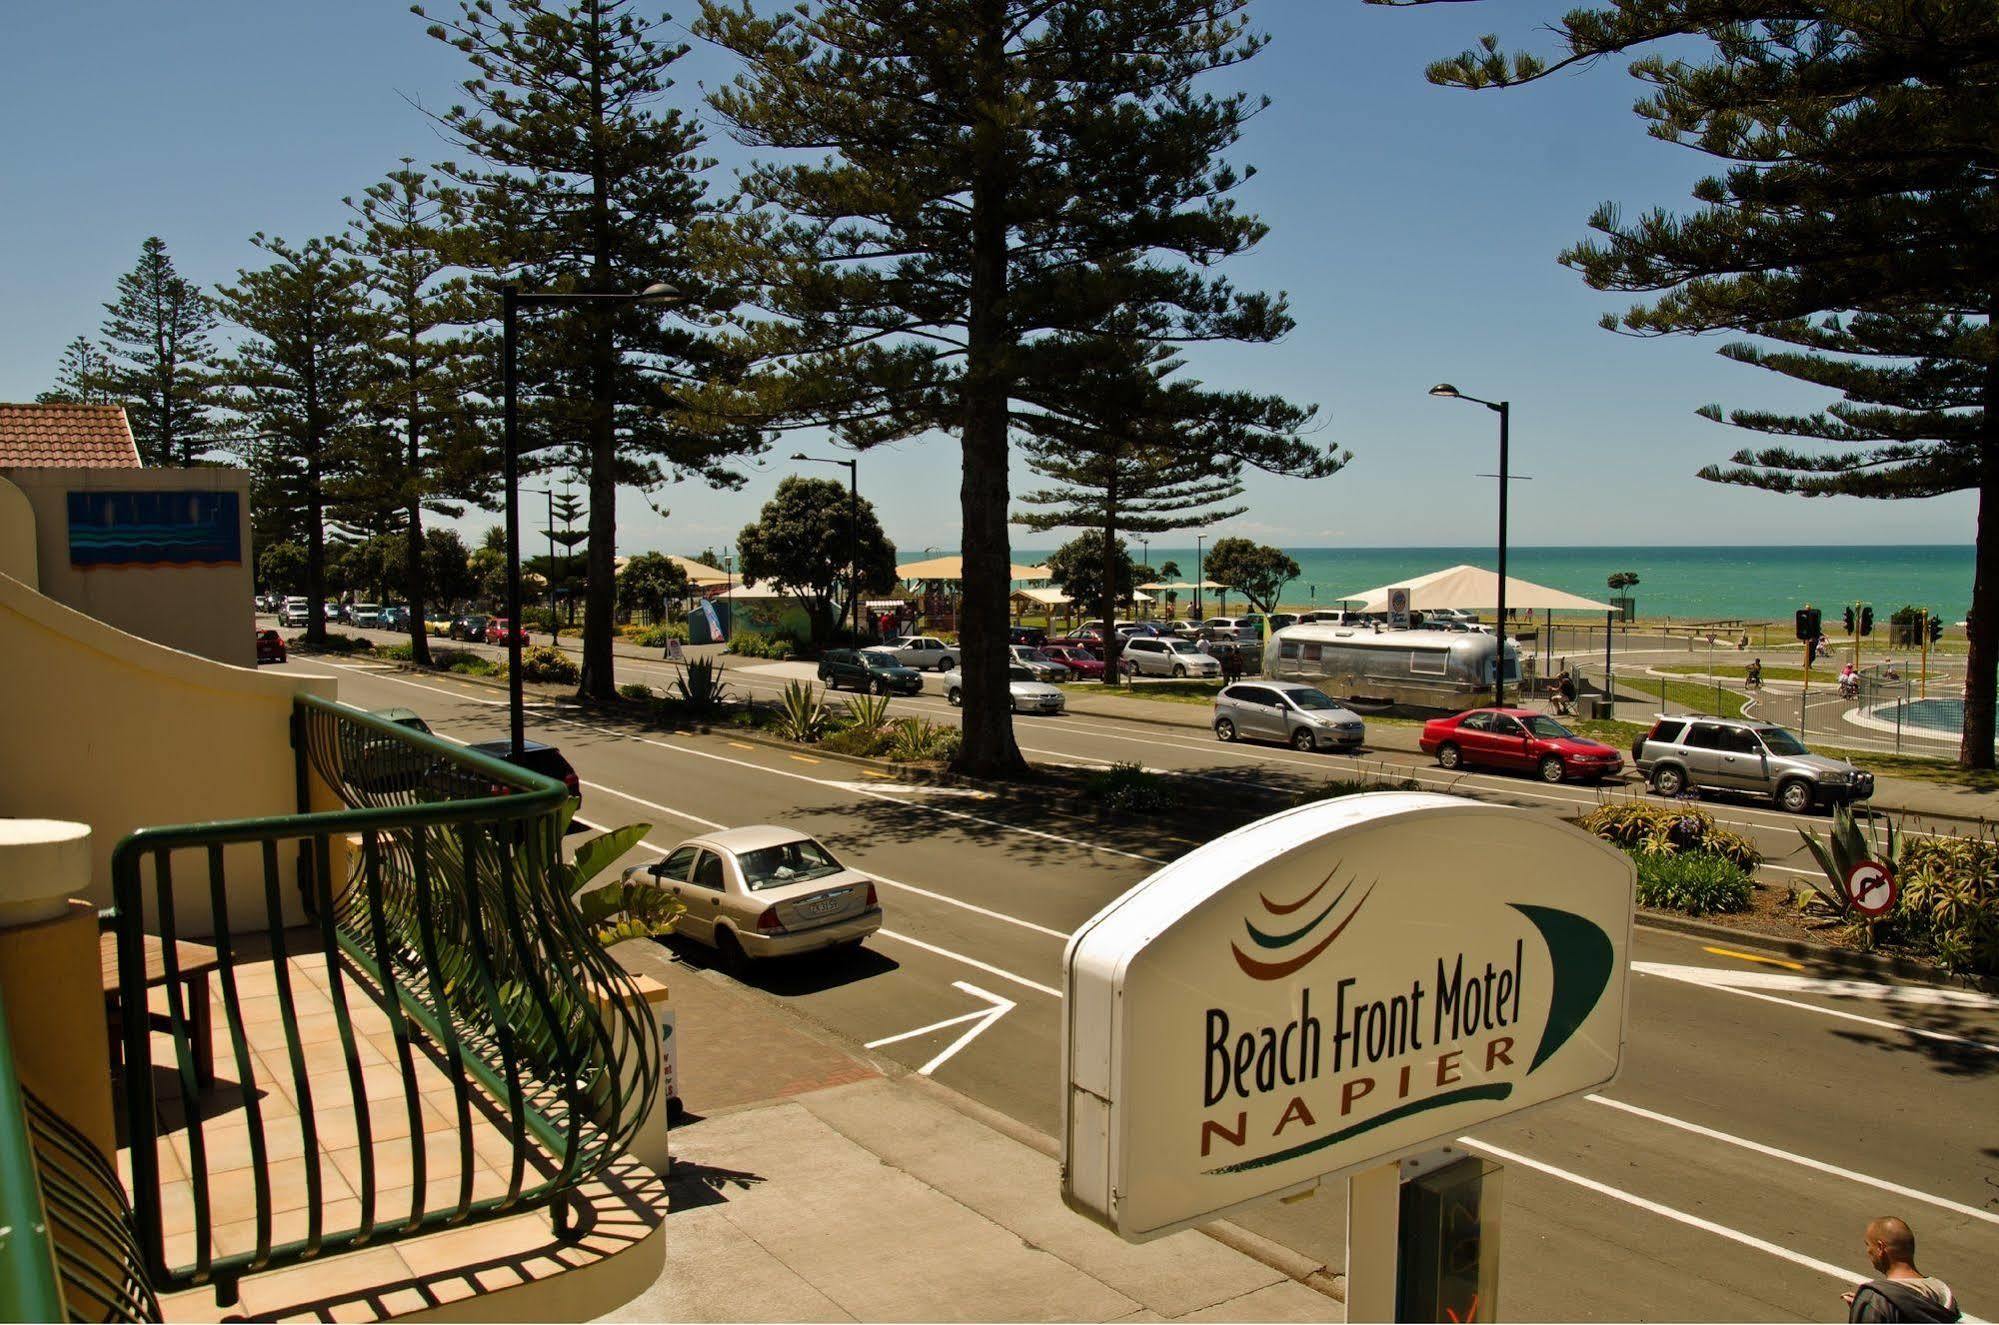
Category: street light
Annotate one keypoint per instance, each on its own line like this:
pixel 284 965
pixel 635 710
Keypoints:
pixel 1199 578
pixel 511 302
pixel 554 631
pixel 1445 391
pixel 853 531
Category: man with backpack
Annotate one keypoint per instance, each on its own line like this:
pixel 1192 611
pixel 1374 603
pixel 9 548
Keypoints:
pixel 1901 1292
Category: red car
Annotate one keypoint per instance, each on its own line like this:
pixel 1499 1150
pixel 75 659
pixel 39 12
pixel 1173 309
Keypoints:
pixel 499 629
pixel 1089 643
pixel 1077 659
pixel 1518 739
pixel 270 647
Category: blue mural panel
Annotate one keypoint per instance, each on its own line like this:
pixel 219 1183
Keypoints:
pixel 189 528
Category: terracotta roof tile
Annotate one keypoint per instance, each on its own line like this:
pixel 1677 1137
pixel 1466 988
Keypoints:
pixel 66 437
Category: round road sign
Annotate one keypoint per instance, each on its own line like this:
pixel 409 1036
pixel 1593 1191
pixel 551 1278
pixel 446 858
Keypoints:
pixel 1870 889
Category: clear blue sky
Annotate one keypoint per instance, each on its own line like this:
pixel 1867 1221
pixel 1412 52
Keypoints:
pixel 1414 228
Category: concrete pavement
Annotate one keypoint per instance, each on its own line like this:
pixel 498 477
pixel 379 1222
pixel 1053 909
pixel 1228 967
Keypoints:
pixel 1860 1098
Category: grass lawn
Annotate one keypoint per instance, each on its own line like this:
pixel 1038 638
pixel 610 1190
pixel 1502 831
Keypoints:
pixel 1731 673
pixel 1721 702
pixel 1172 692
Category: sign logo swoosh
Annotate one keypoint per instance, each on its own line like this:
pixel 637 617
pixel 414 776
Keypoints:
pixel 1258 968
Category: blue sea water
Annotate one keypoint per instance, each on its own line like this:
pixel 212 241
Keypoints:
pixel 1754 583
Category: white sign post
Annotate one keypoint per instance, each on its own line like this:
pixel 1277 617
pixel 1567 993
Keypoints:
pixel 1329 990
pixel 1398 609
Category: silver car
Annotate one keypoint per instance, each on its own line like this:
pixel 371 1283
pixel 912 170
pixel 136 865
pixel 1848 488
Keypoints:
pixel 764 891
pixel 926 653
pixel 1168 657
pixel 1300 716
pixel 1692 754
pixel 1027 694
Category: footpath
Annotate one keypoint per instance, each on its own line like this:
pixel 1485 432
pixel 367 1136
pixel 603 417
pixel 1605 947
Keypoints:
pixel 809 1184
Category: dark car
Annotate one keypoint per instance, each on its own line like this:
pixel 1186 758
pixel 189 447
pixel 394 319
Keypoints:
pixel 470 626
pixel 270 647
pixel 1521 740
pixel 380 764
pixel 1032 636
pixel 868 669
pixel 535 758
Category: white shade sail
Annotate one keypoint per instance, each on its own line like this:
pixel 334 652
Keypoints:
pixel 1473 588
pixel 953 568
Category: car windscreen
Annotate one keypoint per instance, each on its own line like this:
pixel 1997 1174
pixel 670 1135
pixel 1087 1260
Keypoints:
pixel 1181 646
pixel 1547 728
pixel 881 660
pixel 786 863
pixel 1781 742
pixel 1314 700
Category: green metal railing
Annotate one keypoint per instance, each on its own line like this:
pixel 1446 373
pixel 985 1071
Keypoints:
pixel 431 897
pixel 27 1256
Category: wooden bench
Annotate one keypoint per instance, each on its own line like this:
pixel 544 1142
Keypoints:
pixel 194 962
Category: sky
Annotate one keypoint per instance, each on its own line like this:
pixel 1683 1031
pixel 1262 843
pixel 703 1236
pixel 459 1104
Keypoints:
pixel 1414 229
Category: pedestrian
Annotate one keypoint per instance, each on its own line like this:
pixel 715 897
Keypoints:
pixel 1742 644
pixel 1755 671
pixel 1900 1291
pixel 1231 665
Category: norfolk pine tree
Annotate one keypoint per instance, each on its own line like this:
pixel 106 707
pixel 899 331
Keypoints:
pixel 163 362
pixel 83 376
pixel 424 449
pixel 590 186
pixel 299 377
pixel 1855 224
pixel 962 189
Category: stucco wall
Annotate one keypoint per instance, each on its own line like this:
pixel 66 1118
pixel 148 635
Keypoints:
pixel 17 534
pixel 101 727
pixel 200 609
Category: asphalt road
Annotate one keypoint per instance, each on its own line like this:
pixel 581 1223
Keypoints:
pixel 1753 1132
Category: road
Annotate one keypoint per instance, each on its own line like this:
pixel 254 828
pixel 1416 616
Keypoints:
pixel 1762 1117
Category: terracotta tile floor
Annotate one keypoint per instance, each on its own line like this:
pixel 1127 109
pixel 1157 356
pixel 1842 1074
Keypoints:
pixel 383 1280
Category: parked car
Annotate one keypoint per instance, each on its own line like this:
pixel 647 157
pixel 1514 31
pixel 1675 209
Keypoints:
pixel 395 618
pixel 1276 621
pixel 1233 627
pixel 295 614
pixel 468 626
pixel 437 623
pixel 1453 618
pixel 765 891
pixel 1521 740
pixel 367 616
pixel 1297 715
pixel 1088 643
pixel 1031 636
pixel 1077 659
pixel 923 652
pixel 1168 657
pixel 270 647
pixel 1680 755
pixel 1028 695
pixel 501 631
pixel 868 669
pixel 1039 662
pixel 535 758
pixel 1094 629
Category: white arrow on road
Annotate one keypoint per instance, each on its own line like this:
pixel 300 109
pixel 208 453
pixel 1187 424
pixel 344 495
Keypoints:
pixel 981 1021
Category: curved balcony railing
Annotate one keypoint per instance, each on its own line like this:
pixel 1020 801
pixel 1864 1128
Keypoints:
pixel 427 1008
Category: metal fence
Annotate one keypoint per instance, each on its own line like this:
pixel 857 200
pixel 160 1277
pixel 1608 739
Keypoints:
pixel 433 909
pixel 1921 716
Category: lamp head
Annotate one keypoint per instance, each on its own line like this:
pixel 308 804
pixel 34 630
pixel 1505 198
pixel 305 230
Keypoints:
pixel 659 292
pixel 1445 391
pixel 800 455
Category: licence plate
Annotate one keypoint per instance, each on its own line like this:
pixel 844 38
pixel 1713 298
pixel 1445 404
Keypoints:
pixel 821 906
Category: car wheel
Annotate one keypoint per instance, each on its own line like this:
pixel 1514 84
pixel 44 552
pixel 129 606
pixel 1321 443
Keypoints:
pixel 881 688
pixel 1795 796
pixel 1449 756
pixel 954 697
pixel 944 664
pixel 729 950
pixel 1179 672
pixel 1224 730
pixel 1301 739
pixel 1551 769
pixel 1668 781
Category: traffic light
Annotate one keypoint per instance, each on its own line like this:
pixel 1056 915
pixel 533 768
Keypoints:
pixel 1808 623
pixel 1849 621
pixel 1935 626
pixel 1867 619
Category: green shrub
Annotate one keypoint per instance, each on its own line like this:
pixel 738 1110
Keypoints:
pixel 545 662
pixel 802 714
pixel 912 739
pixel 868 712
pixel 333 643
pixel 638 690
pixel 655 637
pixel 1949 902
pixel 473 665
pixel 396 652
pixel 777 648
pixel 1337 787
pixel 1129 789
pixel 701 687
pixel 871 742
pixel 1668 830
pixel 1696 882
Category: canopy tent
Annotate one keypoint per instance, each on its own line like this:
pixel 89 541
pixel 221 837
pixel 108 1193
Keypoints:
pixel 1473 588
pixel 1043 597
pixel 699 573
pixel 1183 584
pixel 953 568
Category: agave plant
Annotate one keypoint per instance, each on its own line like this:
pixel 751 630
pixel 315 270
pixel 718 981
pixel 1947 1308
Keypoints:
pixel 802 714
pixel 913 738
pixel 1846 846
pixel 701 686
pixel 867 712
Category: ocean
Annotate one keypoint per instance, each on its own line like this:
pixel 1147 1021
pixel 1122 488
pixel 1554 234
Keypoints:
pixel 1754 583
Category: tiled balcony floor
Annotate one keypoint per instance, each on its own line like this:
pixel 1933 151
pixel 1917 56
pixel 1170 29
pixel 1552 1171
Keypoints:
pixel 482 1255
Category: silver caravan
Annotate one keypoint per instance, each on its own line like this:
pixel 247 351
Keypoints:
pixel 1430 669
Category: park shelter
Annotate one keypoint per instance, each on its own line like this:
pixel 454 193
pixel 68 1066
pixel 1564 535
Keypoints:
pixel 952 569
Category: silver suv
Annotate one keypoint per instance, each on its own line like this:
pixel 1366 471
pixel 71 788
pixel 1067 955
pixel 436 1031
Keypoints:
pixel 1298 715
pixel 1167 657
pixel 1730 754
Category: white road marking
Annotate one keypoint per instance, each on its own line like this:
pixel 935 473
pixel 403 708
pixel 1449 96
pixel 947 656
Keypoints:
pixel 654 805
pixel 1941 1036
pixel 1731 978
pixel 982 1021
pixel 914 789
pixel 973 962
pixel 1803 1161
pixel 967 906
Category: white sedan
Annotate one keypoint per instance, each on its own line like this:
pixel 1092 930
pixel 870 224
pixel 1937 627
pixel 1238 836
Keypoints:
pixel 764 891
pixel 1028 695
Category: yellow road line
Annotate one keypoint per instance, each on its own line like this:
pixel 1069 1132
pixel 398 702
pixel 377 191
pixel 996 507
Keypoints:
pixel 805 759
pixel 742 745
pixel 1755 957
pixel 872 773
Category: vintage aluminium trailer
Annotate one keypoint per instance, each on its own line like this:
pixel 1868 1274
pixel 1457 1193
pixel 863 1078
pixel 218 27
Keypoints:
pixel 1430 669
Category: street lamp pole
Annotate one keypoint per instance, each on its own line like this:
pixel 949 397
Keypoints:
pixel 554 630
pixel 853 532
pixel 1445 391
pixel 511 302
pixel 1200 578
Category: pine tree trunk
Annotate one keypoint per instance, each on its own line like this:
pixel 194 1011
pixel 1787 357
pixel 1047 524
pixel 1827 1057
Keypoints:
pixel 315 549
pixel 1981 663
pixel 600 561
pixel 1108 607
pixel 419 576
pixel 988 749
